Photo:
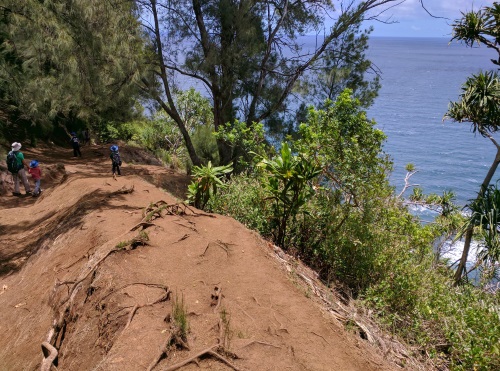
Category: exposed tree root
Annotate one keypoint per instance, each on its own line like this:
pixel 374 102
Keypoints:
pixel 191 227
pixel 64 314
pixel 144 226
pixel 49 355
pixel 155 285
pixel 318 335
pixel 174 338
pixel 182 238
pixel 261 343
pixel 223 245
pixel 158 209
pixel 205 352
pixel 123 190
pixel 164 297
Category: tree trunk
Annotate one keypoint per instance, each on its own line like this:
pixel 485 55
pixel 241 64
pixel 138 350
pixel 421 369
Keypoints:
pixel 468 234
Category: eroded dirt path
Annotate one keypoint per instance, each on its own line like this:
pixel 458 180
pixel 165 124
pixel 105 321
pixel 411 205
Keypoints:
pixel 99 268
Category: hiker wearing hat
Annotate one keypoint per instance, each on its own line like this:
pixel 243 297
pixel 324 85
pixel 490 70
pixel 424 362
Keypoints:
pixel 116 159
pixel 76 145
pixel 36 174
pixel 16 164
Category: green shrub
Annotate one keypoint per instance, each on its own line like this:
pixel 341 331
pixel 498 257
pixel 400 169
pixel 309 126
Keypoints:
pixel 244 199
pixel 206 182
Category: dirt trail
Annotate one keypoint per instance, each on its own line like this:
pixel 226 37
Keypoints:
pixel 97 266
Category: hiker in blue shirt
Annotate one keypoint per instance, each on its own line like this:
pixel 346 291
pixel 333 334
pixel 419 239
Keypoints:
pixel 115 158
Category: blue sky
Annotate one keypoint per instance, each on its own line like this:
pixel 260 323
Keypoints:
pixel 413 21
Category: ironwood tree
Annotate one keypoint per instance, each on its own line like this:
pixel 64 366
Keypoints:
pixel 63 59
pixel 248 54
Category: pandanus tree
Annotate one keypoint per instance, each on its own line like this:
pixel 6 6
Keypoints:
pixel 479 102
pixel 479 105
pixel 485 219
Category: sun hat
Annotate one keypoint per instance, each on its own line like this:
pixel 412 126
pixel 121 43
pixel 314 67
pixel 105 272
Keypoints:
pixel 113 148
pixel 34 163
pixel 16 146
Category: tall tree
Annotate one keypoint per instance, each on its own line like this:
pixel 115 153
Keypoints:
pixel 479 102
pixel 246 53
pixel 68 58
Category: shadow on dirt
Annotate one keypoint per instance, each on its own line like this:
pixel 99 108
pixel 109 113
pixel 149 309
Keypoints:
pixel 44 231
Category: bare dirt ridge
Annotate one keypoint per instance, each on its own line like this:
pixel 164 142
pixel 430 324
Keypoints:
pixel 105 274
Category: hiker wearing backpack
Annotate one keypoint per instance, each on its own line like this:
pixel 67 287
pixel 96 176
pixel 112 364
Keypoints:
pixel 116 159
pixel 16 164
pixel 76 145
pixel 36 174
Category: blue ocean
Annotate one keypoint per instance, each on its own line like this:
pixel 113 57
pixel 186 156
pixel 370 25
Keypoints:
pixel 420 76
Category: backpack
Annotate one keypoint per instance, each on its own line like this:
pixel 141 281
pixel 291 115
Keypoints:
pixel 12 163
pixel 115 156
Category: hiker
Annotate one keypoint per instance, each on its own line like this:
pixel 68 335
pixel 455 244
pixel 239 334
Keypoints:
pixel 36 174
pixel 115 158
pixel 86 137
pixel 16 164
pixel 76 145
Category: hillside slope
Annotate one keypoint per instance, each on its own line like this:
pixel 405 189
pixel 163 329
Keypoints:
pixel 97 266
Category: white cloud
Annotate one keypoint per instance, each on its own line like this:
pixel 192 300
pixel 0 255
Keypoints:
pixel 412 9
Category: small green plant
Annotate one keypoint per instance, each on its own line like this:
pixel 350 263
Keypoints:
pixel 287 182
pixel 179 316
pixel 206 182
pixel 122 244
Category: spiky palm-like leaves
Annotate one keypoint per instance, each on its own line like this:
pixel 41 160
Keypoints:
pixel 485 218
pixel 207 179
pixel 479 103
pixel 287 181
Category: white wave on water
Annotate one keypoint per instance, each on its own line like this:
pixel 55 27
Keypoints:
pixel 453 251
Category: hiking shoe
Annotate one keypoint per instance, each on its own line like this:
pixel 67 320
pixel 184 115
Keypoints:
pixel 28 193
pixel 16 194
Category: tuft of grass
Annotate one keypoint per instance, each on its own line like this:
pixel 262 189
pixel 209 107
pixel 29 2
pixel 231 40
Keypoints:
pixel 122 244
pixel 179 316
pixel 227 334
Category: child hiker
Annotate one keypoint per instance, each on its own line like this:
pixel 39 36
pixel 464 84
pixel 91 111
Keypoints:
pixel 115 158
pixel 36 174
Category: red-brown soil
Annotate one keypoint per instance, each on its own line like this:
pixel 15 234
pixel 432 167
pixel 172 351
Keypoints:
pixel 78 269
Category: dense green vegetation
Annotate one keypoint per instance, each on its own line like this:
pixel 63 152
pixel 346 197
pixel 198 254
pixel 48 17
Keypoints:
pixel 314 180
pixel 346 223
pixel 66 65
